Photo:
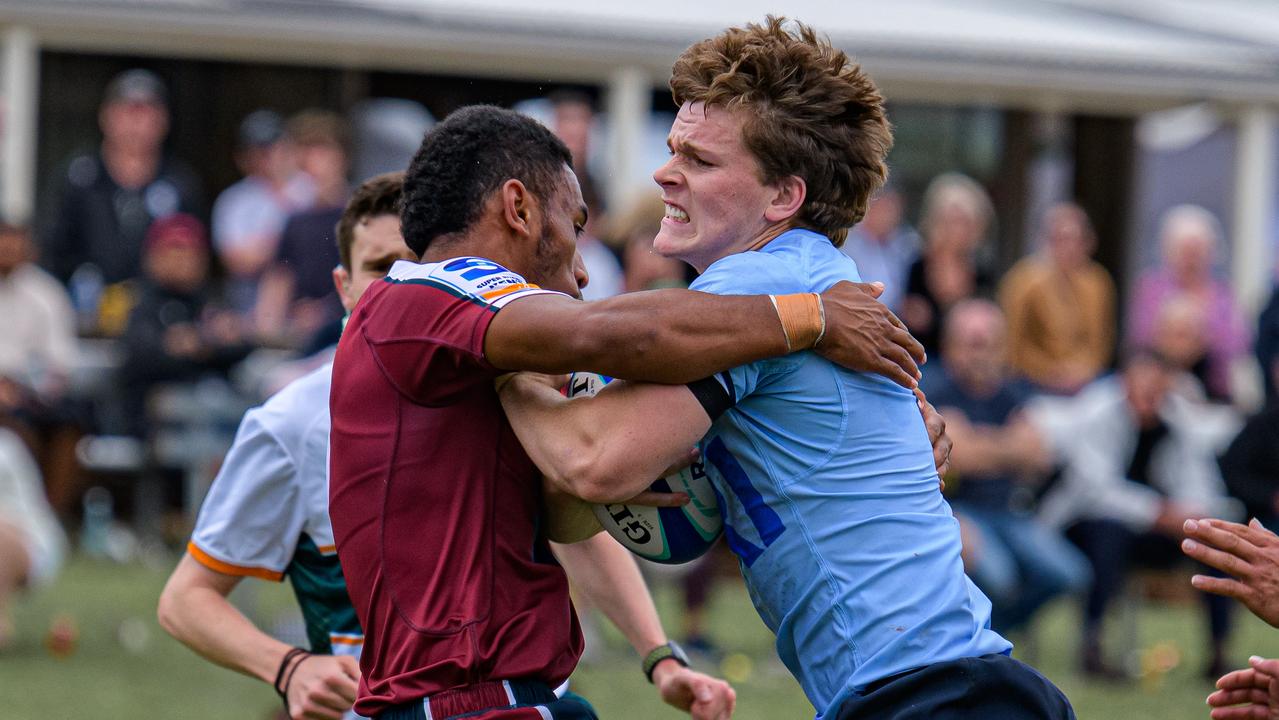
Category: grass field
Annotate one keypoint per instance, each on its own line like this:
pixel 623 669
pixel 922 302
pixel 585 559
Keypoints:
pixel 125 667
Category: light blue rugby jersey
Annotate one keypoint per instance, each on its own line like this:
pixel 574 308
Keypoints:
pixel 831 502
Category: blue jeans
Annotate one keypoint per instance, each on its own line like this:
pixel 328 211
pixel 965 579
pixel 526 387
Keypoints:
pixel 1021 564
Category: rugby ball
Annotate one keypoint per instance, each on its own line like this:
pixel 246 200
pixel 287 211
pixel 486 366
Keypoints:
pixel 663 535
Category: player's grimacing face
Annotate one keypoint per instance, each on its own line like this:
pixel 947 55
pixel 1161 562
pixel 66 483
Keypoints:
pixel 375 246
pixel 715 201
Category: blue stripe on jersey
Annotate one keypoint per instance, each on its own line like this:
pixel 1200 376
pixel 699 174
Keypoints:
pixel 766 520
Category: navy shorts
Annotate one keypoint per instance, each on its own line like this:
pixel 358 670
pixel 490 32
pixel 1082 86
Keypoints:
pixel 522 701
pixel 987 687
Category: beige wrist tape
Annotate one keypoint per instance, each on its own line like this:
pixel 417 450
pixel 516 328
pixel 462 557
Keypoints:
pixel 803 319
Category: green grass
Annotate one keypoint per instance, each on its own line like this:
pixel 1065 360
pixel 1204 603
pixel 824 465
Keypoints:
pixel 158 678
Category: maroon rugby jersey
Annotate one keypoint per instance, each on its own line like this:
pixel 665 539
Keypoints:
pixel 434 503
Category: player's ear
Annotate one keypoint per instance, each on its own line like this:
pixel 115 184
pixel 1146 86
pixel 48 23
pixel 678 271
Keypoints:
pixel 788 197
pixel 342 282
pixel 517 207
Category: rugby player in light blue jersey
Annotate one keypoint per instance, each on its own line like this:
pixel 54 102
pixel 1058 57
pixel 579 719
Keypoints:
pixel 826 476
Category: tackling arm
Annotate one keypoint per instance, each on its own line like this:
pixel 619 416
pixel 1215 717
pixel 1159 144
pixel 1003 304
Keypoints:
pixel 678 336
pixel 609 447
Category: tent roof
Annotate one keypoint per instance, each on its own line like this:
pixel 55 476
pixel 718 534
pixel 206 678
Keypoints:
pixel 1106 55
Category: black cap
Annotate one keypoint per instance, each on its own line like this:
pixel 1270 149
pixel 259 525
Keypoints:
pixel 140 86
pixel 261 128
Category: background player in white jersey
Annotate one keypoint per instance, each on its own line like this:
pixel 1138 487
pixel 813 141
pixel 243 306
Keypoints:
pixel 267 512
pixel 266 516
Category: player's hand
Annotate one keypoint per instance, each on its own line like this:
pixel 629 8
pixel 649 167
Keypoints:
pixel 702 696
pixel 936 425
pixel 864 335
pixel 649 498
pixel 1248 553
pixel 1249 694
pixel 323 687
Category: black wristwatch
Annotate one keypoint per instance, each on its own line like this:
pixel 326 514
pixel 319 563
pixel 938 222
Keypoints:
pixel 670 650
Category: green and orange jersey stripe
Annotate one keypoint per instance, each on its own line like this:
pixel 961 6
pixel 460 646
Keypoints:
pixel 227 568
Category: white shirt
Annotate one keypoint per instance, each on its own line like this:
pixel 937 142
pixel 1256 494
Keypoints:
pixel 39 335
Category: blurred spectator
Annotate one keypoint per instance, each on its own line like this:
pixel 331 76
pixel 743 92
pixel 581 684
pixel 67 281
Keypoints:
pixel 386 133
pixel 249 216
pixel 1268 346
pixel 572 121
pixel 1250 466
pixel 1136 468
pixel 634 230
pixel 1189 236
pixel 884 246
pixel 36 360
pixel 1060 306
pixel 174 333
pixel 108 199
pixel 1017 561
pixel 32 544
pixel 297 297
pixel 956 215
pixel 1181 337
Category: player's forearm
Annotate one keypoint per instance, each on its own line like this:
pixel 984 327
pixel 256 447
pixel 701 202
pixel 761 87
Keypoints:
pixel 568 442
pixel 666 336
pixel 606 448
pixel 205 621
pixel 606 574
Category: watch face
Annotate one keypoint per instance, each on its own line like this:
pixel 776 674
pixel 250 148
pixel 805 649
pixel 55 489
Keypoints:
pixel 678 653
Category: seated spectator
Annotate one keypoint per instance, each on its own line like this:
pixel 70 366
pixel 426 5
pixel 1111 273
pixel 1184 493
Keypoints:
pixel 1250 466
pixel 1136 468
pixel 883 245
pixel 572 120
pixel 36 359
pixel 108 199
pixel 1060 306
pixel 249 216
pixel 32 544
pixel 296 297
pixel 1189 239
pixel 174 333
pixel 1017 561
pixel 634 231
pixel 956 216
pixel 1181 337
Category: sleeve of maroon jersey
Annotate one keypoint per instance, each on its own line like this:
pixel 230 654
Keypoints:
pixel 428 334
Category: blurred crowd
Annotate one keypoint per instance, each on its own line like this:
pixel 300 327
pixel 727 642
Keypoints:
pixel 147 315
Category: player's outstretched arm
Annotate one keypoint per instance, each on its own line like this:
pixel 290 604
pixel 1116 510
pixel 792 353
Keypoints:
pixel 678 336
pixel 606 573
pixel 606 448
pixel 194 609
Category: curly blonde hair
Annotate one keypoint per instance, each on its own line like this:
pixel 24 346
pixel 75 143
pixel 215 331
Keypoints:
pixel 809 112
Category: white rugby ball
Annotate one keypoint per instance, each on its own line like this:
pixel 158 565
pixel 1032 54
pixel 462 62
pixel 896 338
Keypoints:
pixel 663 535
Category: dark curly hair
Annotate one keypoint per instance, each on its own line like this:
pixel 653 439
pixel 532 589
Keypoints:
pixel 809 112
pixel 465 159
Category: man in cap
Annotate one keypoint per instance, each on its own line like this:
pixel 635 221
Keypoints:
pixel 109 199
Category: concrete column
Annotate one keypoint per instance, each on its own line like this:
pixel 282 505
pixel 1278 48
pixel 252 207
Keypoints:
pixel 19 83
pixel 1252 258
pixel 628 103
